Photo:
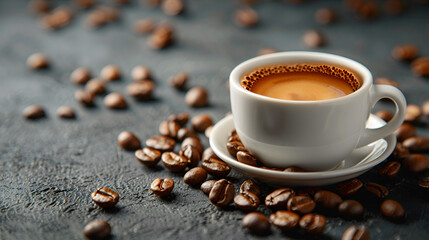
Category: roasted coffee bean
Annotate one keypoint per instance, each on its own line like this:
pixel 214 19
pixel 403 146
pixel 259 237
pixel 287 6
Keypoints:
pixel 172 7
pixel 424 183
pixel 201 122
pixel 110 72
pixel 390 169
pixel 84 3
pixel 105 197
pixel 161 143
pixel 232 133
pixel 246 17
pixel 413 114
pixel 256 222
pixel 162 187
pixel 416 144
pixel 406 52
pixel 195 142
pixel 215 167
pixel 197 97
pixel 327 199
pixel 184 133
pixel 207 186
pixel 301 204
pixel 162 37
pixel 405 131
pixel 58 18
pixel 284 220
pixel 386 81
pixel 148 156
pixel 392 210
pixel 278 198
pixel 141 90
pixel 234 147
pixel 174 162
pixel 264 51
pixel 195 176
pixel 400 151
pixel 250 186
pixel 208 153
pixel 38 61
pixel 222 193
pixel 425 108
pixel 394 7
pixel 110 14
pixel 313 223
pixel 385 115
pixel 377 189
pixel 143 26
pixel 313 38
pixel 65 112
pixel 84 97
pixel 179 80
pixel 96 19
pixel 95 86
pixel 356 233
pixel 234 138
pixel 247 201
pixel 420 67
pixel 115 101
pixel 97 229
pixel 367 10
pixel 191 154
pixel 39 6
pixel 169 128
pixel 246 158
pixel 293 169
pixel 140 73
pixel 208 131
pixel 325 16
pixel 350 208
pixel 416 163
pixel 181 118
pixel 308 191
pixel 349 187
pixel 128 141
pixel 33 112
pixel 80 75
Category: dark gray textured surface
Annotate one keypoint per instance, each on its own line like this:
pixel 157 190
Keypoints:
pixel 50 167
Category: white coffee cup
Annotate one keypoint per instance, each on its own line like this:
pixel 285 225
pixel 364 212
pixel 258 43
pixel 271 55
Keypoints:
pixel 314 135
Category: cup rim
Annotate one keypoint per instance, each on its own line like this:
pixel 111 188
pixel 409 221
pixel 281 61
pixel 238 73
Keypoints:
pixel 319 57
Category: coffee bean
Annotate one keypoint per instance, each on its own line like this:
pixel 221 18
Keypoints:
pixel 250 186
pixel 110 72
pixel 95 19
pixel 148 156
pixel 392 210
pixel 174 162
pixel 128 141
pixel 356 233
pixel 208 153
pixel 172 7
pixel 110 14
pixel 425 108
pixel 162 187
pixel 84 97
pixel 191 154
pixel 141 90
pixel 413 113
pixel 301 204
pixel 405 131
pixel 284 220
pixel 208 131
pixel 58 18
pixel 38 61
pixel 327 199
pixel 256 222
pixel 97 229
pixel 234 147
pixel 367 11
pixel 406 52
pixel 246 158
pixel 394 7
pixel 207 186
pixel 215 167
pixel 201 122
pixel 308 191
pixel 378 190
pixel 179 81
pixel 161 143
pixel 33 112
pixel 181 118
pixel 232 133
pixel 424 183
pixel 325 16
pixel 264 51
pixel 278 198
pixel 417 144
pixel 195 142
pixel 162 37
pixel 195 176
pixel 140 73
pixel 246 17
pixel 39 6
pixel 420 67
pixel 313 223
pixel 390 169
pixel 115 101
pixel 105 197
pixel 95 86
pixel 400 151
pixel 222 193
pixel 143 26
pixel 350 209
pixel 386 81
pixel 385 115
pixel 84 4
pixel 184 133
pixel 80 75
pixel 197 97
pixel 169 128
pixel 65 112
pixel 247 201
pixel 416 163
pixel 293 169
pixel 349 187
pixel 313 38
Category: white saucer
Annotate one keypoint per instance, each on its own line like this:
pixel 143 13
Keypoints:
pixel 358 162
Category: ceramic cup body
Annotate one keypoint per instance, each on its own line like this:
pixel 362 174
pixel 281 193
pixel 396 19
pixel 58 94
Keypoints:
pixel 314 135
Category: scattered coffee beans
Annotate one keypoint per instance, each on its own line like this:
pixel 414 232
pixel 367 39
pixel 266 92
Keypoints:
pixel 105 197
pixel 385 115
pixel 256 222
pixel 97 229
pixel 141 90
pixel 400 151
pixel 191 154
pixel 247 201
pixel 84 97
pixel 65 112
pixel 95 86
pixel 246 17
pixel 169 128
pixel 80 75
pixel 197 97
pixel 250 186
pixel 378 190
pixel 279 198
pixel 128 141
pixel 184 133
pixel 37 61
pixel 172 7
pixel 301 204
pixel 416 163
pixel 195 142
pixel 174 162
pixel 181 118
pixel 110 72
pixel 350 209
pixel 325 16
pixel 179 81
pixel 390 169
pixel 413 114
pixel 161 143
pixel 208 153
pixel 234 147
pixel 207 186
pixel 115 101
pixel 313 38
pixel 420 67
pixel 284 220
pixel 143 26
pixel 162 37
pixel 201 122
pixel 222 193
pixel 140 73
pixel 356 233
pixel 148 156
pixel 327 199
pixel 405 131
pixel 349 187
pixel 162 187
pixel 195 176
pixel 406 52
pixel 33 112
pixel 246 158
pixel 416 144
pixel 215 167
pixel 313 223
pixel 392 210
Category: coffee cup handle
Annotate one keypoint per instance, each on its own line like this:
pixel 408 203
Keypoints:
pixel 378 92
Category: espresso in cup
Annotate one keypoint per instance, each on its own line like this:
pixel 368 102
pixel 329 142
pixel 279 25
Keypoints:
pixel 301 82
